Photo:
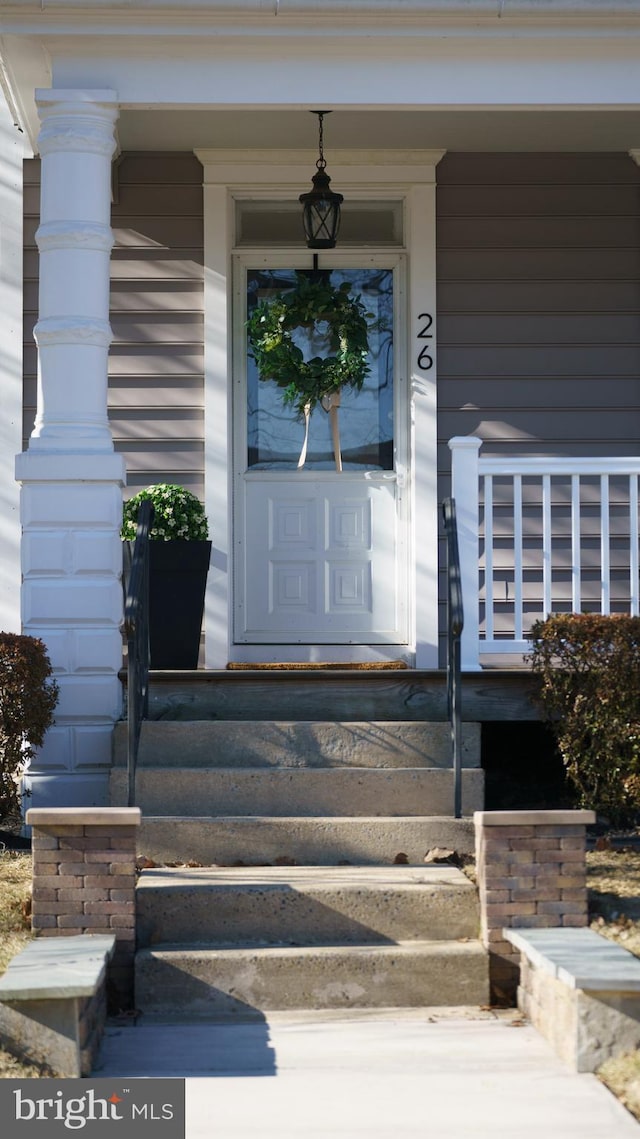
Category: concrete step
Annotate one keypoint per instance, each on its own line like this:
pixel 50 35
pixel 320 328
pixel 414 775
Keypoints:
pixel 254 840
pixel 286 743
pixel 207 982
pixel 306 905
pixel 300 791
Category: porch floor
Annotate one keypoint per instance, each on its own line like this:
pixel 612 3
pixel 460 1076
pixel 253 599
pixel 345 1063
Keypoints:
pixel 496 693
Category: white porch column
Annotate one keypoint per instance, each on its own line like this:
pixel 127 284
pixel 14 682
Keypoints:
pixel 11 335
pixel 71 479
pixel 465 452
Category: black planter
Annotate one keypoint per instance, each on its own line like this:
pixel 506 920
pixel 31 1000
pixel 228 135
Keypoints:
pixel 177 583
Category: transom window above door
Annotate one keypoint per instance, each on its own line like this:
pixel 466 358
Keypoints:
pixel 279 223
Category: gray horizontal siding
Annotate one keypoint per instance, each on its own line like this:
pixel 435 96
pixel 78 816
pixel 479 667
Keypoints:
pixel 538 268
pixel 156 383
pixel 552 428
pixel 538 278
pixel 527 362
pixel 531 296
pixel 156 380
pixel 566 392
pixel 529 329
pixel 527 170
pixel 523 264
pixel 150 169
pixel 556 196
pixel 566 233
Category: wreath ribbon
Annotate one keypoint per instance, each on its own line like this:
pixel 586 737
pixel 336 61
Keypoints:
pixel 331 402
pixel 305 443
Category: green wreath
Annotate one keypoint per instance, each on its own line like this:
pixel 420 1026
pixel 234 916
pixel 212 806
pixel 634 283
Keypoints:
pixel 278 358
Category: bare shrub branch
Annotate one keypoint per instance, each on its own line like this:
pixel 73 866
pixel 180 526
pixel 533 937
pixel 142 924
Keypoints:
pixel 589 668
pixel 28 697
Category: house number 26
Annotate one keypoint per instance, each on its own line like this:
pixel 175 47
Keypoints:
pixel 425 359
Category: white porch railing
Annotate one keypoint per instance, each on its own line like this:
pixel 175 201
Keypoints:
pixel 538 536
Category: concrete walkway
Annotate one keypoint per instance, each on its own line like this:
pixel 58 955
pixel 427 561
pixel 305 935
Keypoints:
pixel 431 1074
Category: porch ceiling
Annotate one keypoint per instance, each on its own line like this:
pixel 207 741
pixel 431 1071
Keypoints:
pixel 425 129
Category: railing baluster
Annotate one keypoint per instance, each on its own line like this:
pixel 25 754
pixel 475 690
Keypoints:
pixel 488 557
pixel 605 554
pixel 547 550
pixel 465 487
pixel 634 551
pixel 517 558
pixel 576 557
pixel 455 625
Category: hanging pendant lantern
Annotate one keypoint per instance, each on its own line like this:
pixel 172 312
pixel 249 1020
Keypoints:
pixel 321 206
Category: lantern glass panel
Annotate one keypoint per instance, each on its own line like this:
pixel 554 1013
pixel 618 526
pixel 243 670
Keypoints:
pixel 321 220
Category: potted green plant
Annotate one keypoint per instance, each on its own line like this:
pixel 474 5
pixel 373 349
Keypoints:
pixel 179 554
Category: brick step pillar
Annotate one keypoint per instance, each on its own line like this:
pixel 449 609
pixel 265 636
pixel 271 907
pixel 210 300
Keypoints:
pixel 532 874
pixel 84 880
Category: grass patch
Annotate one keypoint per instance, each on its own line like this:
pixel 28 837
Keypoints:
pixel 613 878
pixel 622 1077
pixel 15 895
pixel 614 895
pixel 614 881
pixel 15 932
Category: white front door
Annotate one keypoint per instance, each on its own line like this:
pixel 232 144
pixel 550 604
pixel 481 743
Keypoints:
pixel 320 554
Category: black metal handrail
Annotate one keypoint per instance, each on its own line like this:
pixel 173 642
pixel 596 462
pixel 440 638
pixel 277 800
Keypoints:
pixel 455 624
pixel 136 631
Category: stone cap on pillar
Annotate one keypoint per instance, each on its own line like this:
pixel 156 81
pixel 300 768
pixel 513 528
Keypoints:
pixel 84 816
pixel 579 818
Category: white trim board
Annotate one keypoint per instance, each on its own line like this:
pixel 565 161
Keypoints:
pixel 273 179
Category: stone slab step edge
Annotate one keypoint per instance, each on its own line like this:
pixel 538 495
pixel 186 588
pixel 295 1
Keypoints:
pixel 317 743
pixel 306 906
pixel 310 841
pixel 305 792
pixel 207 982
pixel 409 694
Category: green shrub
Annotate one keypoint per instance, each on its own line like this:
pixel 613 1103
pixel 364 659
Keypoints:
pixel 589 669
pixel 28 698
pixel 179 514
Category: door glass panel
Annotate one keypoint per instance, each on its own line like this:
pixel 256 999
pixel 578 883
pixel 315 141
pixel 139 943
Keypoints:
pixel 275 432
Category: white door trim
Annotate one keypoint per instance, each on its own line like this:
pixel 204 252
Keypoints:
pixel 375 176
pixel 217 425
pixel 421 244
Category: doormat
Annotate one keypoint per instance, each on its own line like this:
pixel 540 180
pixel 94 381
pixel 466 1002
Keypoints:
pixel 367 666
